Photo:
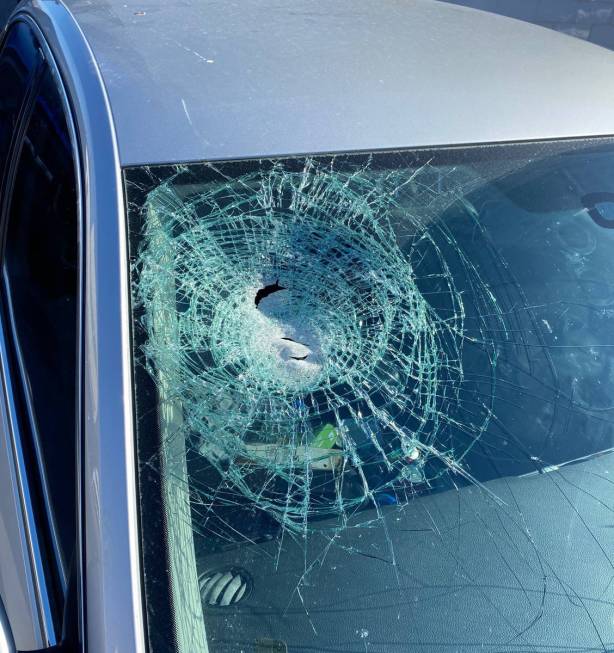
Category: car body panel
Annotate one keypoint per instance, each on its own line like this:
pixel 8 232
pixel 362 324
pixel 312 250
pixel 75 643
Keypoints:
pixel 191 80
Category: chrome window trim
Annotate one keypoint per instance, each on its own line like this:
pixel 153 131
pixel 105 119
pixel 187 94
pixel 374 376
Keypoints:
pixel 113 612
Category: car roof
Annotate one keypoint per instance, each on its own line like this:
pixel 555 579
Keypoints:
pixel 193 80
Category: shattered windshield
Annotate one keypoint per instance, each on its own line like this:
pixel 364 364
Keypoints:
pixel 375 400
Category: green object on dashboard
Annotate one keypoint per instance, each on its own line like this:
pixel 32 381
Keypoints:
pixel 326 437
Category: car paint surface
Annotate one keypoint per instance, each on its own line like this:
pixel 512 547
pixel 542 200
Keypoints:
pixel 194 80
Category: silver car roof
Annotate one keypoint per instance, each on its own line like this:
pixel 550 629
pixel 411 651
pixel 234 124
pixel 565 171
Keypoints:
pixel 192 80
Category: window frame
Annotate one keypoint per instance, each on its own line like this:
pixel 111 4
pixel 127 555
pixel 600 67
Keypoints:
pixel 53 606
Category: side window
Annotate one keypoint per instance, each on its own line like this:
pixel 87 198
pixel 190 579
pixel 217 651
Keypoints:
pixel 40 279
pixel 19 57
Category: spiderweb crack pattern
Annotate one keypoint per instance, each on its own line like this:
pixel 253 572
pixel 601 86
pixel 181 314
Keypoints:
pixel 317 358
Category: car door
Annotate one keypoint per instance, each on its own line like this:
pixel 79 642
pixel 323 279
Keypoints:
pixel 39 346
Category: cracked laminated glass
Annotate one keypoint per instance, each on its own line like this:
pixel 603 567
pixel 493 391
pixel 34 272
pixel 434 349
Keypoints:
pixel 375 400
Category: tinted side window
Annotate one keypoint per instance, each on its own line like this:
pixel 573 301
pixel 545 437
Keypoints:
pixel 18 61
pixel 40 282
